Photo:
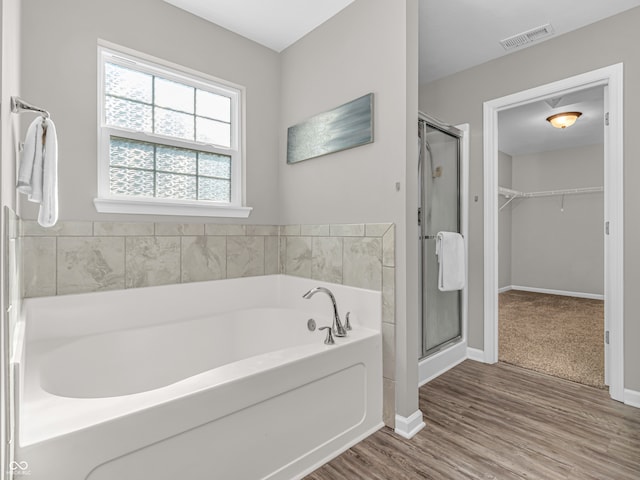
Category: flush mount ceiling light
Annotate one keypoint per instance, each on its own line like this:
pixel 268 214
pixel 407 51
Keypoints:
pixel 563 120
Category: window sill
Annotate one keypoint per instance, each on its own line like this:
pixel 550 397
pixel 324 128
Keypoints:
pixel 168 207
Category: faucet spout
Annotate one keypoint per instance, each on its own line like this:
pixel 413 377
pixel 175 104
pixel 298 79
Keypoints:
pixel 338 329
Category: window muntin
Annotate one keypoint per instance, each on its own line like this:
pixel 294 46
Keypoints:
pixel 152 170
pixel 166 136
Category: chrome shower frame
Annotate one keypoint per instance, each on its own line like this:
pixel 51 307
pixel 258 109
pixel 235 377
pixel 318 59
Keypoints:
pixel 425 121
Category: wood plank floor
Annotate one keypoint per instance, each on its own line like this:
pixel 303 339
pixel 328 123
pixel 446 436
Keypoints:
pixel 502 422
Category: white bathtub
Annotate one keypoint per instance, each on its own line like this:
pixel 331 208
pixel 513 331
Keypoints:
pixel 210 380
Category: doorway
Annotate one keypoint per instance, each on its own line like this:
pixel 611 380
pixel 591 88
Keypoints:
pixel 610 78
pixel 550 238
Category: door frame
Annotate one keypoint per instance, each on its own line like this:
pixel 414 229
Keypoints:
pixel 611 78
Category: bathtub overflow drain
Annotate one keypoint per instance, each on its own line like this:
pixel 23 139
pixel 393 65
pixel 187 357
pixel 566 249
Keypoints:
pixel 311 324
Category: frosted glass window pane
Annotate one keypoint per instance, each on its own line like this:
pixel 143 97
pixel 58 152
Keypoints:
pixel 212 165
pixel 213 106
pixel 131 182
pixel 214 189
pixel 130 153
pixel 213 132
pixel 176 160
pixel 126 114
pixel 174 95
pixel 176 186
pixel 174 124
pixel 124 82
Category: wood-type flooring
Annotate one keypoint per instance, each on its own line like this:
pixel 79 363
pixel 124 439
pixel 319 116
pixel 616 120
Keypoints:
pixel 502 422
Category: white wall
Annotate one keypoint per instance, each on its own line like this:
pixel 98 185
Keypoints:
pixel 552 248
pixel 371 46
pixel 10 86
pixel 459 98
pixel 504 223
pixel 59 71
pixel 9 125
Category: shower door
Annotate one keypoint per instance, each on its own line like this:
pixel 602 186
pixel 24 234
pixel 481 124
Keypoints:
pixel 439 176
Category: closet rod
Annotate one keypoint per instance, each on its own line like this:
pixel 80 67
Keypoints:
pixel 568 191
pixel 508 192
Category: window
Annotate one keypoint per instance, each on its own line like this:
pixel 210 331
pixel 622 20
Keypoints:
pixel 169 140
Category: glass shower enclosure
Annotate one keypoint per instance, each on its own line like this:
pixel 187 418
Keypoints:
pixel 439 210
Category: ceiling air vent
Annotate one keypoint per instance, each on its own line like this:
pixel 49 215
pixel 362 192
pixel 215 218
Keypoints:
pixel 529 36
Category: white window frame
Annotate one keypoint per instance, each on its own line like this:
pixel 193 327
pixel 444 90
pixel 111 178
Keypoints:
pixel 106 202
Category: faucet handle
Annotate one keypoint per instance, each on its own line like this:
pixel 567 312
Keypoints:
pixel 329 340
pixel 347 323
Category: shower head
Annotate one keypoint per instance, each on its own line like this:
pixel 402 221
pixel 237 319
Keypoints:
pixel 437 172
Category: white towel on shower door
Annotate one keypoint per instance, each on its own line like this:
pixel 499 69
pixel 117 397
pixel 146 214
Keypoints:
pixel 451 261
pixel 38 171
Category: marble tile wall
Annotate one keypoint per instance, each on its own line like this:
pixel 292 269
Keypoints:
pixel 359 255
pixel 78 257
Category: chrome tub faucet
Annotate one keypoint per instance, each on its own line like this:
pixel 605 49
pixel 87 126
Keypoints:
pixel 338 329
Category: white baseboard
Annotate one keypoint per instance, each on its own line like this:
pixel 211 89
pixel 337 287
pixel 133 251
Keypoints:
pixel 407 427
pixel 475 354
pixel 438 363
pixel 632 398
pixel 505 289
pixel 565 293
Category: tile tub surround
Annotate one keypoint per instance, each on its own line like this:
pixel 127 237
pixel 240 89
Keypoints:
pixel 80 257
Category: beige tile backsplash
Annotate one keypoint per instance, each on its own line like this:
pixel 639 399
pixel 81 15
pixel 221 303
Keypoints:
pixel 84 264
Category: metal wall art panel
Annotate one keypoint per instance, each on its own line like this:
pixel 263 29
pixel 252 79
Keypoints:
pixel 347 126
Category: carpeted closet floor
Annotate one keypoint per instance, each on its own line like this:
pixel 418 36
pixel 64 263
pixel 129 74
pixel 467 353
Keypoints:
pixel 552 334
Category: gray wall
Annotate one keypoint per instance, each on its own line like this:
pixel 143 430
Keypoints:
pixel 551 248
pixel 371 46
pixel 504 223
pixel 459 98
pixel 59 71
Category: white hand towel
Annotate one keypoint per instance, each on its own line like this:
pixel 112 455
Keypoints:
pixel 38 172
pixel 451 261
pixel 31 161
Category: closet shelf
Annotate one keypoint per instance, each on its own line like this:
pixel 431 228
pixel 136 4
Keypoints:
pixel 511 194
pixel 508 192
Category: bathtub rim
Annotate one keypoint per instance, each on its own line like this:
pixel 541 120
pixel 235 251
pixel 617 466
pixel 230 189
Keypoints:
pixel 275 290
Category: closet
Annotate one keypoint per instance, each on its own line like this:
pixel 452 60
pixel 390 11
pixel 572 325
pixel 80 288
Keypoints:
pixel 551 261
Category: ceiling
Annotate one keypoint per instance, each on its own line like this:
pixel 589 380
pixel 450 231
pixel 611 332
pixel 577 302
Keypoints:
pixel 273 23
pixel 524 130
